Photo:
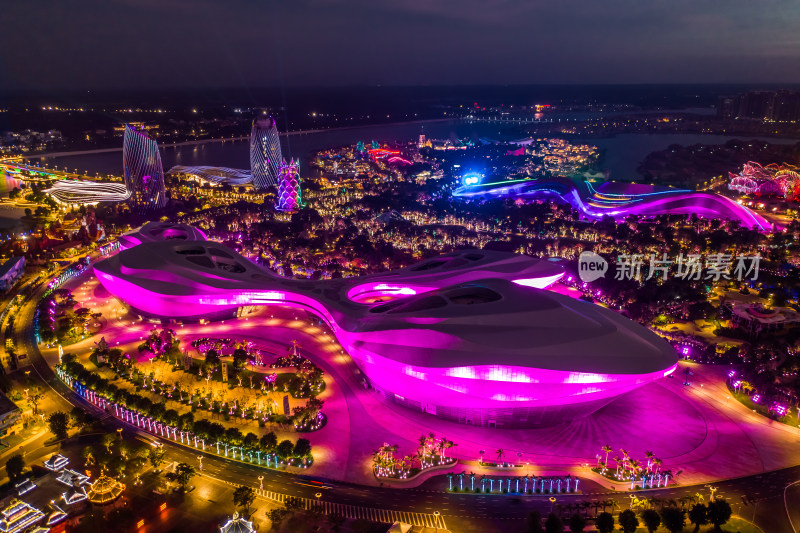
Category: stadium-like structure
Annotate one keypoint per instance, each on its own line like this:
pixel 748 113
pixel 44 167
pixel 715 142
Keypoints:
pixel 779 180
pixel 619 200
pixel 216 175
pixel 465 336
pixel 85 192
pixel 142 171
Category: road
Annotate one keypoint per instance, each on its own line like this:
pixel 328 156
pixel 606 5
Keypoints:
pixel 759 497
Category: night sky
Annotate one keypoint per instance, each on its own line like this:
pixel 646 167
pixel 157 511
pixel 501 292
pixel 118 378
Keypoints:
pixel 53 44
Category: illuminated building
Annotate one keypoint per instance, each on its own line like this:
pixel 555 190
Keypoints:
pixel 265 153
pixel 11 271
pixel 216 175
pixel 160 231
pixel 465 336
pixel 105 490
pixel 289 197
pixel 620 200
pixel 56 463
pixel 19 516
pixel 84 192
pixel 778 180
pixel 236 524
pixel 142 170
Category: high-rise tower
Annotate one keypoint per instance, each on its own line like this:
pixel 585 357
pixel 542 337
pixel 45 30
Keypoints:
pixel 265 153
pixel 289 195
pixel 142 170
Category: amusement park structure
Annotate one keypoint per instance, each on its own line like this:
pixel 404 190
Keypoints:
pixel 778 180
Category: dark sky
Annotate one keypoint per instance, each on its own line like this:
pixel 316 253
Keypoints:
pixel 52 44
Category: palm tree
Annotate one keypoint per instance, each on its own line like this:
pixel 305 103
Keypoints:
pixel 500 454
pixel 649 455
pixel 657 465
pixel 697 516
pixel 415 457
pixel 634 466
pixel 625 457
pixel 421 450
pixel 618 463
pixel 608 449
pixel 446 444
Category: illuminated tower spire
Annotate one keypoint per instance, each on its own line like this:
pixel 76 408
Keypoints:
pixel 289 194
pixel 142 171
pixel 265 153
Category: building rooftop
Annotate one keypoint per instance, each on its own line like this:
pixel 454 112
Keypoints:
pixel 6 267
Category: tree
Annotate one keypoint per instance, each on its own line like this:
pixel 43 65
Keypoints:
pixel 628 521
pixel 651 520
pixel 697 516
pixel 285 449
pixel 88 455
pixel 553 524
pixel 302 448
pixel 108 441
pixel 718 513
pixel 14 467
pixel 156 456
pixel 577 523
pixel 534 522
pixel 673 519
pixel 605 522
pixel 59 424
pixel 243 497
pixel 268 442
pixel 240 358
pixel 182 475
pixel 212 357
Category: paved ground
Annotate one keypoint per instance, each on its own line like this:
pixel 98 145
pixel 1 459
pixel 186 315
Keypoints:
pixel 697 428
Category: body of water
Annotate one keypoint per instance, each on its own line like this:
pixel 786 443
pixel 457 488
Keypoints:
pixel 236 154
pixel 623 153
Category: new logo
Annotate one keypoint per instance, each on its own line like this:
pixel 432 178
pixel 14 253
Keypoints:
pixel 591 266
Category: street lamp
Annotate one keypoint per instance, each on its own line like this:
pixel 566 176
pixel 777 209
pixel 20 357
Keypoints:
pixel 200 459
pixel 260 482
pixel 712 490
pixel 552 502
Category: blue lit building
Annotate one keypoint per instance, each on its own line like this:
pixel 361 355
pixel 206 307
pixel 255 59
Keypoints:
pixel 265 153
pixel 142 170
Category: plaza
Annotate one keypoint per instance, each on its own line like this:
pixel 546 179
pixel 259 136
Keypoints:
pixel 697 429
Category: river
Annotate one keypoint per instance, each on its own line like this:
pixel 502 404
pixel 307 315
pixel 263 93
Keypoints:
pixel 623 153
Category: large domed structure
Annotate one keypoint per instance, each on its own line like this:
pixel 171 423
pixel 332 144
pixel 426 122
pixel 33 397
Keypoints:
pixel 465 336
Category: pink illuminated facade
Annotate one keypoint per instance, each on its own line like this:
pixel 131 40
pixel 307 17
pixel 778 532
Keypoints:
pixel 465 336
pixel 161 231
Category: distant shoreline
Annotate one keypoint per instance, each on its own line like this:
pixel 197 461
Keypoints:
pixel 233 139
